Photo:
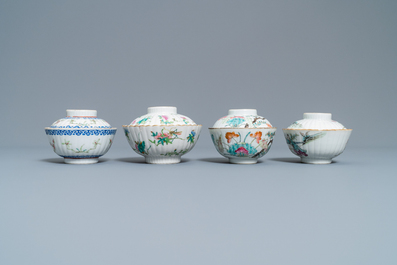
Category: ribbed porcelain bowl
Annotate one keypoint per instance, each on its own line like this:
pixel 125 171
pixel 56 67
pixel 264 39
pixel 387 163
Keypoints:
pixel 162 136
pixel 81 137
pixel 242 136
pixel 317 139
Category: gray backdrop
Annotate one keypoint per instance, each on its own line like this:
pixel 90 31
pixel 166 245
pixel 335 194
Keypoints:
pixel 120 57
pixel 280 57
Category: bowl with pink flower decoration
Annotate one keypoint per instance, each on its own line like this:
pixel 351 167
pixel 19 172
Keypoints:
pixel 162 135
pixel 242 136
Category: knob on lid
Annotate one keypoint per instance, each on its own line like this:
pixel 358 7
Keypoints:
pixel 242 112
pixel 81 113
pixel 162 109
pixel 317 116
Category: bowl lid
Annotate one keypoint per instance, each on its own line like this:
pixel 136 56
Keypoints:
pixel 162 115
pixel 80 119
pixel 319 121
pixel 242 118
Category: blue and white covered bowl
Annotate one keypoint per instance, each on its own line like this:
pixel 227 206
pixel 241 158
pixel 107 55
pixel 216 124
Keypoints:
pixel 242 136
pixel 81 137
pixel 162 136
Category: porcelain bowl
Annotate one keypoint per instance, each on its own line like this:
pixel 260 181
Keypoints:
pixel 242 145
pixel 162 144
pixel 315 146
pixel 82 145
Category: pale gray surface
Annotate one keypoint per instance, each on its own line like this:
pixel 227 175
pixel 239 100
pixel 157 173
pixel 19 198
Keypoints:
pixel 202 211
pixel 205 57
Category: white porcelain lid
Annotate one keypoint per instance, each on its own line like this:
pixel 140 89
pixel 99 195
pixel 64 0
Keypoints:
pixel 80 119
pixel 319 121
pixel 242 118
pixel 162 115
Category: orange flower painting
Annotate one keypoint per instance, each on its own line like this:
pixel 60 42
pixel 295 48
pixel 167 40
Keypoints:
pixel 230 135
pixel 257 136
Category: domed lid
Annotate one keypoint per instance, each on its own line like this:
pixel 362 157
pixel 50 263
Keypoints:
pixel 242 118
pixel 80 119
pixel 319 121
pixel 162 115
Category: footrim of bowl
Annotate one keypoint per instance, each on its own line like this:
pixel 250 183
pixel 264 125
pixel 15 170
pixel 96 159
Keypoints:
pixel 81 161
pixel 162 160
pixel 315 161
pixel 241 160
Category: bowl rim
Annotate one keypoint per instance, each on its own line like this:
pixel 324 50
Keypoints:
pixel 316 129
pixel 169 125
pixel 49 128
pixel 248 128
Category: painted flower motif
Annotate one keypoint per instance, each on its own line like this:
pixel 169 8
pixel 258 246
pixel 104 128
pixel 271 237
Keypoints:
pixel 144 120
pixel 185 120
pixel 257 136
pixel 270 134
pixel 95 143
pixel 164 119
pixel 53 144
pixel 230 135
pixel 175 153
pixel 263 144
pixel 235 121
pixel 162 138
pixel 190 137
pixel 140 146
pixel 161 135
pixel 241 150
pixel 81 150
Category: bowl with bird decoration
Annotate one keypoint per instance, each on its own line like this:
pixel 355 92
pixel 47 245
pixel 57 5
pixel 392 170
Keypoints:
pixel 317 139
pixel 162 136
pixel 81 137
pixel 242 136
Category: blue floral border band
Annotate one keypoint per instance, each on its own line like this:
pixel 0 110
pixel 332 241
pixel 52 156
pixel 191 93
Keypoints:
pixel 68 126
pixel 81 157
pixel 80 132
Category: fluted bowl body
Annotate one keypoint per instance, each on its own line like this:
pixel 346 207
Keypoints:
pixel 317 139
pixel 162 144
pixel 81 137
pixel 162 135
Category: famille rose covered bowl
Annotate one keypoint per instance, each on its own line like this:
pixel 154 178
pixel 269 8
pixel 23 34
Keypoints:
pixel 80 137
pixel 162 136
pixel 317 138
pixel 242 136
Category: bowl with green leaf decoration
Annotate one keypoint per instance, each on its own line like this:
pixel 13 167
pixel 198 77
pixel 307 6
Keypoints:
pixel 162 135
pixel 242 136
pixel 317 139
pixel 81 137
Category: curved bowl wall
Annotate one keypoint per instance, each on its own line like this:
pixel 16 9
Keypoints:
pixel 317 146
pixel 80 143
pixel 245 145
pixel 162 144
